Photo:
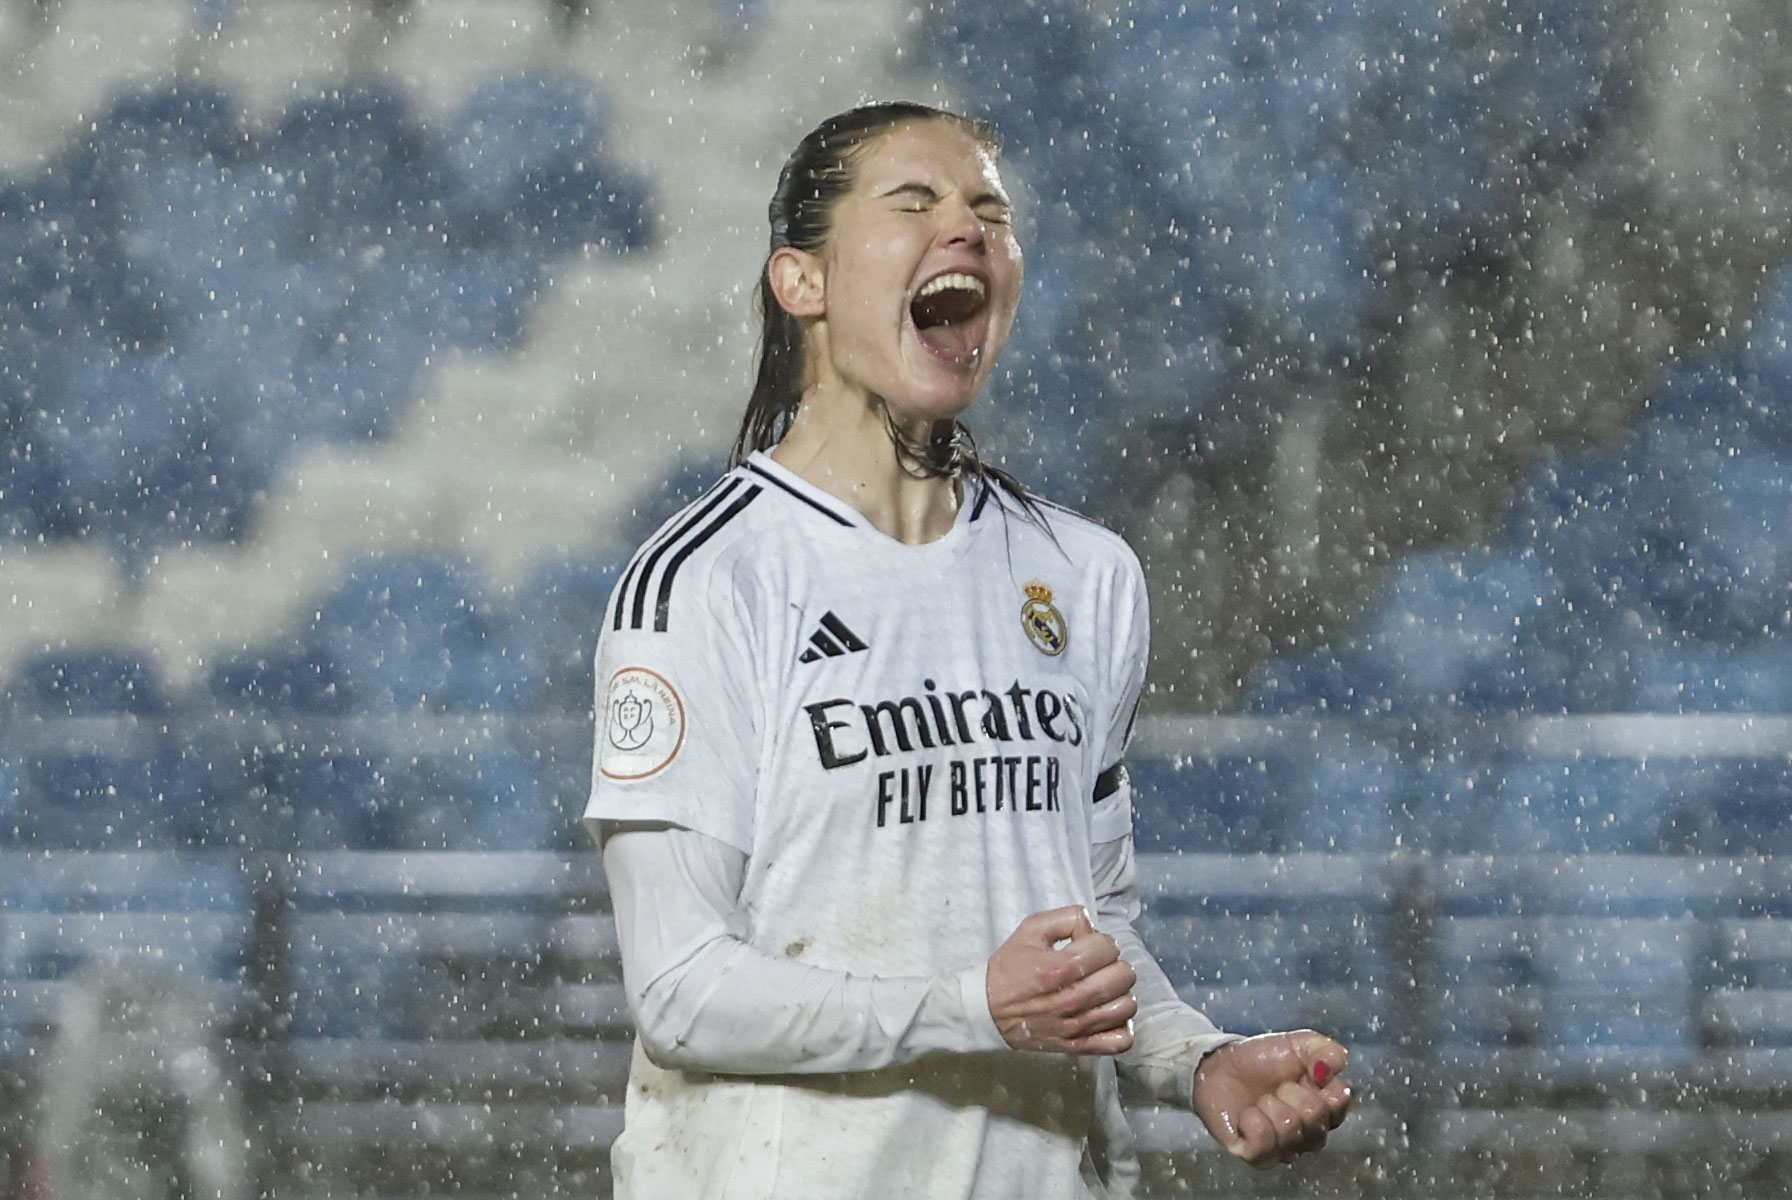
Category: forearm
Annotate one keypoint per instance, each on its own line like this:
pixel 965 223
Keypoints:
pixel 704 998
pixel 733 1009
pixel 1170 1036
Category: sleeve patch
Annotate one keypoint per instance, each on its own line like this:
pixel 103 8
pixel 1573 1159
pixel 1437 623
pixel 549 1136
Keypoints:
pixel 643 725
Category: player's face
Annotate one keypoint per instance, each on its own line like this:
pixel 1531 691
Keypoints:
pixel 922 271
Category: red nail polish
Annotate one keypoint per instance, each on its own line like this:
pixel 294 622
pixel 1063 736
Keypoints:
pixel 1322 1071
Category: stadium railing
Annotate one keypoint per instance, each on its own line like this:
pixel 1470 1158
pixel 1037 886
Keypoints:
pixel 431 1022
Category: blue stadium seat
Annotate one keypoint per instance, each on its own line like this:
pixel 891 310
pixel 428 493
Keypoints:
pixel 108 789
pixel 1572 804
pixel 1555 78
pixel 1267 943
pixel 212 794
pixel 283 682
pixel 119 781
pixel 1492 979
pixel 12 797
pixel 1703 404
pixel 531 170
pixel 561 768
pixel 1703 678
pixel 1235 803
pixel 1320 276
pixel 134 451
pixel 88 683
pixel 1350 801
pixel 286 310
pixel 386 793
pixel 469 300
pixel 1580 660
pixel 1604 527
pixel 31 366
pixel 413 631
pixel 1638 886
pixel 1455 803
pixel 1765 371
pixel 1622 987
pixel 205 231
pixel 1751 812
pixel 558 612
pixel 362 173
pixel 186 120
pixel 509 128
pixel 1611 533
pixel 67 910
pixel 1618 988
pixel 1449 631
pixel 1698 795
pixel 1739 585
pixel 110 180
pixel 484 800
pixel 1034 72
pixel 42 240
pixel 359 361
pixel 1749 980
pixel 419 948
pixel 340 795
pixel 1315 683
pixel 102 796
pixel 348 986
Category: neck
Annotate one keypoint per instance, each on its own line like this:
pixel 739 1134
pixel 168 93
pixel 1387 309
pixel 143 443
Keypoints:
pixel 841 444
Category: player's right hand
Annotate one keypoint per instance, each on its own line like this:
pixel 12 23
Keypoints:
pixel 1059 984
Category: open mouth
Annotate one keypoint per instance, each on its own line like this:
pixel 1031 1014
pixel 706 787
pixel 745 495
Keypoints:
pixel 950 314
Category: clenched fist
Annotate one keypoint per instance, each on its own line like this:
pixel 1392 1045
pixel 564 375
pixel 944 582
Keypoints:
pixel 1272 1098
pixel 1059 984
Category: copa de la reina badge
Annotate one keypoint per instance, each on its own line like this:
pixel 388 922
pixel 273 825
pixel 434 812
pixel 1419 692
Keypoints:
pixel 643 725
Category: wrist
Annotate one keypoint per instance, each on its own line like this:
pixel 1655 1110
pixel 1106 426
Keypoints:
pixel 1211 1058
pixel 973 994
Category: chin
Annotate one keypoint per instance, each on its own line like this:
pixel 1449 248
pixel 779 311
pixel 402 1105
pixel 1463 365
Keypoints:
pixel 931 407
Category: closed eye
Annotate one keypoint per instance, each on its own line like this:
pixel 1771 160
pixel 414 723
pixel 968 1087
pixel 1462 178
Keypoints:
pixel 919 198
pixel 915 197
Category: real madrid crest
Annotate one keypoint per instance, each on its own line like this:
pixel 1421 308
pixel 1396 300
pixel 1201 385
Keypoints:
pixel 1043 623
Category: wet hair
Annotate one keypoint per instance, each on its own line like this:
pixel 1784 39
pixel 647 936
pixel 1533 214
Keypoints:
pixel 817 174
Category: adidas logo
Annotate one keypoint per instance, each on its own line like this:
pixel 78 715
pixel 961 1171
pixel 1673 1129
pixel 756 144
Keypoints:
pixel 832 640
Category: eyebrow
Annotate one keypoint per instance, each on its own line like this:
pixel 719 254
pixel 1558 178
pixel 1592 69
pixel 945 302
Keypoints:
pixel 922 191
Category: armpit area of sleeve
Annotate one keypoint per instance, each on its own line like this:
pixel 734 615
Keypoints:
pixel 631 803
pixel 1111 815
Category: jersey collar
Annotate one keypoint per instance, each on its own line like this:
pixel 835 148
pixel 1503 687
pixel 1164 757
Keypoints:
pixel 765 469
pixel 769 470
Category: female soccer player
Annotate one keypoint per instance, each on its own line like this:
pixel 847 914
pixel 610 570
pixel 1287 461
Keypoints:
pixel 858 779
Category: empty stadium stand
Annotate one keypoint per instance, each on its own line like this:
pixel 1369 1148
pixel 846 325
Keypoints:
pixel 312 400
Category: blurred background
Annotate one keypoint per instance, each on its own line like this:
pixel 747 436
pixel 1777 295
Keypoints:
pixel 1436 355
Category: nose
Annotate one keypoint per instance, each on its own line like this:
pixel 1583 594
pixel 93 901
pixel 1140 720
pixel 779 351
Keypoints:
pixel 964 227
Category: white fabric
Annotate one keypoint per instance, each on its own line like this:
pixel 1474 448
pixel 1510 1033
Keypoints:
pixel 903 743
pixel 700 993
pixel 1169 1038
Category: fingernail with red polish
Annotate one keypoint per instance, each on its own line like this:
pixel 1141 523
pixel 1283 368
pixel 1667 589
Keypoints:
pixel 1322 1071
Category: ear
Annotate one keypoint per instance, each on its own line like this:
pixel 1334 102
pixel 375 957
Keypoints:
pixel 798 282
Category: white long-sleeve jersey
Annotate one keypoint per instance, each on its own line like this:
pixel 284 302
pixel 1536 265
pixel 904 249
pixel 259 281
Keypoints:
pixel 905 750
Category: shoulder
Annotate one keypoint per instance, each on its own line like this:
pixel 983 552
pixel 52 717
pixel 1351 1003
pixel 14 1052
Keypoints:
pixel 694 555
pixel 1086 542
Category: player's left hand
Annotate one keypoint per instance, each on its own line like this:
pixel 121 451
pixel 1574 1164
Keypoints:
pixel 1272 1098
